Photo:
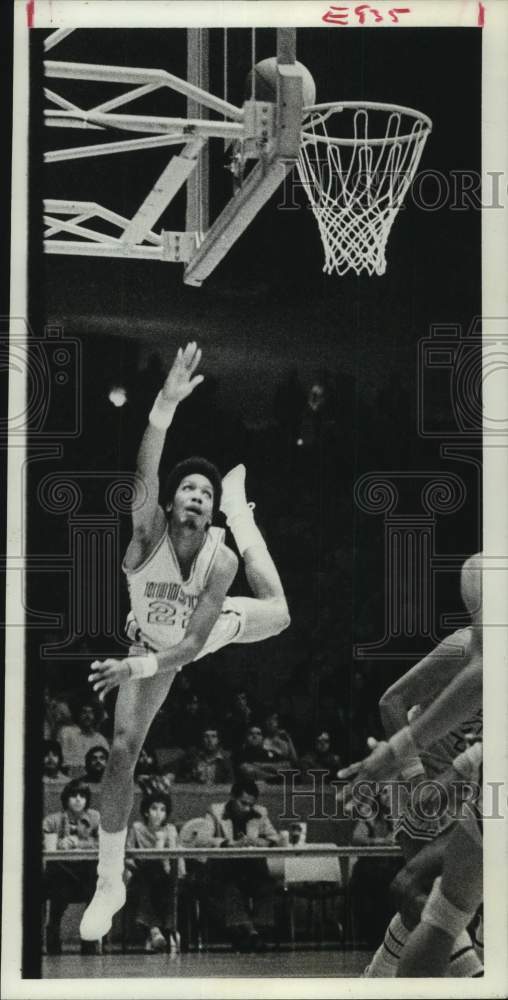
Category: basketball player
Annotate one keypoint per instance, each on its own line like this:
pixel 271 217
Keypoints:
pixel 418 688
pixel 178 572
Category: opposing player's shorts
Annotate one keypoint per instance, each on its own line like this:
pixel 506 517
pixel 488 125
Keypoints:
pixel 228 628
pixel 423 828
pixel 416 826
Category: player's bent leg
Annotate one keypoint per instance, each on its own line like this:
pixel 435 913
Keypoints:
pixel 430 946
pixel 450 908
pixel 262 618
pixel 267 614
pixel 137 704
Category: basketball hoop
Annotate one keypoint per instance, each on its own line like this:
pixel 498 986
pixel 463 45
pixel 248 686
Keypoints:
pixel 356 184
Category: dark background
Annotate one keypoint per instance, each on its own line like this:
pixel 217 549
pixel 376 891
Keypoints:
pixel 270 325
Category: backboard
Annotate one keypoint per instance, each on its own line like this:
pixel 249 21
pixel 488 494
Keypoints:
pixel 259 142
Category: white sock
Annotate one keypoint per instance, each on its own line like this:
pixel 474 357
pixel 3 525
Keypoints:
pixel 245 530
pixel 111 854
pixel 464 962
pixel 386 959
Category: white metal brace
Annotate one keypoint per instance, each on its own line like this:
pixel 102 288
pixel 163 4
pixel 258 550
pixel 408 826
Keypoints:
pixel 270 133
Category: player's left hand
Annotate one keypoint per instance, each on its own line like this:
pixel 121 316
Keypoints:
pixel 107 675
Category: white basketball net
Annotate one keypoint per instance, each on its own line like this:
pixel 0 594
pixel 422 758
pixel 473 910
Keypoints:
pixel 356 184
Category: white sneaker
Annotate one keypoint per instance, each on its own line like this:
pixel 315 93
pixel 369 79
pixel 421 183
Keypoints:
pixel 97 919
pixel 233 491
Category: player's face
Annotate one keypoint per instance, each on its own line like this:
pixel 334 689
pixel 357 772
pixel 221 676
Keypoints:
pixel 192 505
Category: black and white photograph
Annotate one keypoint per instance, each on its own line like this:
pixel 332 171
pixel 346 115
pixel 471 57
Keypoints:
pixel 256 441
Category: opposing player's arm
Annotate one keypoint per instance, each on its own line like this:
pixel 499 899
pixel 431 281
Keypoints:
pixel 148 519
pixel 110 673
pixel 425 680
pixel 459 700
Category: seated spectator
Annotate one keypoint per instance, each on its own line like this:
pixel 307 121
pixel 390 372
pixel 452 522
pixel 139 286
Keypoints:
pixel 253 761
pixel 237 721
pixel 240 822
pixel 209 764
pixel 376 824
pixel 95 764
pixel 77 739
pixel 56 714
pixel 147 773
pixel 320 758
pixel 152 884
pixel 75 827
pixel 277 740
pixel 52 772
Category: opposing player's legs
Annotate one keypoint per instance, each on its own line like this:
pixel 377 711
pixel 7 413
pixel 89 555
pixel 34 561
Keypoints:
pixel 137 704
pixel 451 906
pixel 423 863
pixel 266 613
pixel 411 887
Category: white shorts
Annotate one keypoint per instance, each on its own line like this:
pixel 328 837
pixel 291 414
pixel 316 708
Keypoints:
pixel 228 628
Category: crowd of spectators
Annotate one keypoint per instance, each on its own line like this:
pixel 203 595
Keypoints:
pixel 234 753
pixel 205 747
pixel 233 886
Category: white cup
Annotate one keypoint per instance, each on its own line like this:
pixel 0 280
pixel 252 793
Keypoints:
pixel 50 841
pixel 284 838
pixel 298 833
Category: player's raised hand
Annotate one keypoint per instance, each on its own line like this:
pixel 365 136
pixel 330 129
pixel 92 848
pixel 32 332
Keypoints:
pixel 107 675
pixel 181 380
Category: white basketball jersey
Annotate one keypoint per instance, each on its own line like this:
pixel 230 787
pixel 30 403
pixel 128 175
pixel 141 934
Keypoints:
pixel 161 600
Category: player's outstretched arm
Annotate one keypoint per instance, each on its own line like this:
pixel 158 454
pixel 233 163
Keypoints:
pixel 179 384
pixel 457 702
pixel 423 682
pixel 460 699
pixel 110 673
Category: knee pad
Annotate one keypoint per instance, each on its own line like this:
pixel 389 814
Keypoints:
pixel 439 912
